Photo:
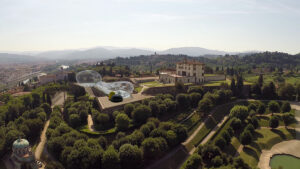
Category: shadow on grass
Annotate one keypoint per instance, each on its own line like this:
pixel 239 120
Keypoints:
pixel 264 118
pixel 257 135
pixel 280 133
pixel 250 152
pixel 230 149
pixel 256 146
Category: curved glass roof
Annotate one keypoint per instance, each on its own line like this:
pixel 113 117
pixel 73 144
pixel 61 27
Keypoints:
pixel 90 78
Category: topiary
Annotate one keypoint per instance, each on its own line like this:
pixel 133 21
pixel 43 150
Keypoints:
pixel 110 95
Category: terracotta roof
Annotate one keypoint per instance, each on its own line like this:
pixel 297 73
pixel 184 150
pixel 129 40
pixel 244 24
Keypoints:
pixel 191 62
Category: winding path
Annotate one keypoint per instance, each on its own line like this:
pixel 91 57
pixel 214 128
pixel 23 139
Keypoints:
pixel 291 147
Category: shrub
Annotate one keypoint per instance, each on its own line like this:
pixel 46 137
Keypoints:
pixel 274 122
pixel 141 114
pixel 240 112
pixel 246 137
pixel 130 156
pixel 273 107
pixel 110 95
pixel 193 162
pixel 111 159
pixel 288 118
pixel 236 124
pixel 261 108
pixel 205 105
pixel 128 108
pixel 221 143
pixel 286 107
pixel 122 122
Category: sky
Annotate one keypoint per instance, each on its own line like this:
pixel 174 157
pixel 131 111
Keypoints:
pixel 228 25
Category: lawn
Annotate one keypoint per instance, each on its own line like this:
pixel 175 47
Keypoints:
pixel 204 131
pixel 292 79
pixel 218 83
pixel 155 84
pixel 264 139
pixel 138 89
pixel 86 130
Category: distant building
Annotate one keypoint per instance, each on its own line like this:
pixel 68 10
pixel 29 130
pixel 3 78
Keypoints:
pixel 61 75
pixel 186 72
pixel 22 156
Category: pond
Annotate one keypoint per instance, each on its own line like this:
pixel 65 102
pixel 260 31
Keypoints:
pixel 284 162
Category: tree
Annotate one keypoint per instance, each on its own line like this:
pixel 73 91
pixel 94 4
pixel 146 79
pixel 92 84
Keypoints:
pixel 274 122
pixel 102 120
pixel 35 100
pixel 151 148
pixel 232 86
pixel 205 105
pixel 260 80
pixel 273 107
pixel 193 162
pixel 130 156
pixel 236 124
pixel 196 89
pixel 183 100
pixel 122 122
pixel 286 107
pixel 288 119
pixel 27 100
pixel 240 85
pixel 154 108
pixel 141 114
pixel 195 98
pixel 111 159
pixel 269 91
pixel 74 120
pixel 221 143
pixel 128 108
pixel 179 87
pixel 246 137
pixel 287 91
pixel 171 138
pixel 261 108
pixel 47 108
pixel 256 89
pixel 240 112
pixel 250 128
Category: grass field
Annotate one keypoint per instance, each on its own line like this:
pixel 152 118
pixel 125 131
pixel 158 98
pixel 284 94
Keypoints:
pixel 264 139
pixel 138 89
pixel 292 79
pixel 86 130
pixel 155 84
pixel 218 83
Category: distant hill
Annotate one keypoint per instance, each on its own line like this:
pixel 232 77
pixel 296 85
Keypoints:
pixel 192 51
pixel 6 58
pixel 104 53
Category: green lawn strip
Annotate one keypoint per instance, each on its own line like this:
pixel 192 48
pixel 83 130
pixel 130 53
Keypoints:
pixel 138 89
pixel 86 130
pixel 192 121
pixel 222 129
pixel 204 131
pixel 265 139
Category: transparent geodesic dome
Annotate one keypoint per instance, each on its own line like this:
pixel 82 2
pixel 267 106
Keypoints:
pixel 89 78
pixel 122 88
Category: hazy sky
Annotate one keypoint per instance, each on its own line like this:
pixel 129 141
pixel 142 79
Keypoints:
pixel 230 25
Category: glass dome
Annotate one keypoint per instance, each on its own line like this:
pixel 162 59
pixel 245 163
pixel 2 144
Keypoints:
pixel 20 144
pixel 89 78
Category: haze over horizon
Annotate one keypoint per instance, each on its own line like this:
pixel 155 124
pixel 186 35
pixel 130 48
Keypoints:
pixel 225 25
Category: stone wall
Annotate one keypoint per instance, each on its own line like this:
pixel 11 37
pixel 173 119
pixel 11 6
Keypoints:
pixel 215 78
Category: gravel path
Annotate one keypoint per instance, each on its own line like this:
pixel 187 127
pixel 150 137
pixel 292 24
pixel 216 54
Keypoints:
pixel 291 147
pixel 39 149
pixel 90 123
